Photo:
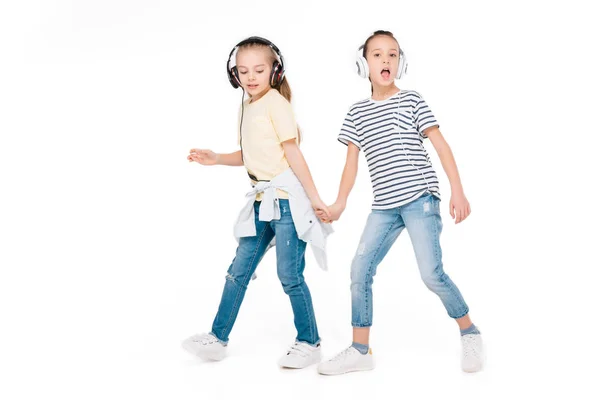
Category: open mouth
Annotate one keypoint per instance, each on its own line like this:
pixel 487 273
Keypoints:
pixel 252 86
pixel 385 73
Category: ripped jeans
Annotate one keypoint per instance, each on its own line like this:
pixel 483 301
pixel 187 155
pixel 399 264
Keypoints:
pixel 422 220
pixel 290 268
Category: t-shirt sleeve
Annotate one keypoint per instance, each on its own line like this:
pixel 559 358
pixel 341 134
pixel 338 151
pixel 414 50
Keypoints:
pixel 348 133
pixel 282 118
pixel 424 118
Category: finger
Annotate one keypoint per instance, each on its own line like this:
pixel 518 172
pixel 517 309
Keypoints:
pixel 452 210
pixel 465 212
pixel 459 216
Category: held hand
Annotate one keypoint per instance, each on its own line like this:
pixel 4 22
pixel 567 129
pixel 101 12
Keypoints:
pixel 321 210
pixel 336 210
pixel 204 157
pixel 460 208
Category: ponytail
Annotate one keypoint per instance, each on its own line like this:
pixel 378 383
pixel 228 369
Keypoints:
pixel 285 90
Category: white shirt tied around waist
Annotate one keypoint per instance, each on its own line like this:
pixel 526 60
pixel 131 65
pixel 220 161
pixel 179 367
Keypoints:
pixel 308 226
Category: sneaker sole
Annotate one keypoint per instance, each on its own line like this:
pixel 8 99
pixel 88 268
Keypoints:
pixel 472 370
pixel 299 367
pixel 348 371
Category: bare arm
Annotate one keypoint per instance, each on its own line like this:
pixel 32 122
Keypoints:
pixel 349 174
pixel 459 205
pixel 346 184
pixel 208 157
pixel 232 159
pixel 298 164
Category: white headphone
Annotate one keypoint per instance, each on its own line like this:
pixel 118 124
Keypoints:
pixel 363 67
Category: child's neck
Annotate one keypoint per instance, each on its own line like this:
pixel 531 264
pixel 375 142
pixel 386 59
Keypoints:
pixel 384 92
pixel 259 96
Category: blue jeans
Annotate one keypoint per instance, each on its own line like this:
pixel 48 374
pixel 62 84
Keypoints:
pixel 290 268
pixel 422 219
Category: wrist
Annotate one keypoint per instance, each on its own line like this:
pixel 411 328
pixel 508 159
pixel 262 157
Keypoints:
pixel 218 159
pixel 341 202
pixel 457 189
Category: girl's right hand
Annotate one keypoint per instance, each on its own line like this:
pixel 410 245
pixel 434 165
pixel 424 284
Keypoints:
pixel 321 209
pixel 336 210
pixel 204 157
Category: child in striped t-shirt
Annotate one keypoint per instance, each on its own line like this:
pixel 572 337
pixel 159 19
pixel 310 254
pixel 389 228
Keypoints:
pixel 390 127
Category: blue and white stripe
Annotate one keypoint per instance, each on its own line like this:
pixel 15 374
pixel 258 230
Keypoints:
pixel 390 132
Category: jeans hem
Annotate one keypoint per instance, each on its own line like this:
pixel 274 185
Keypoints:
pixel 463 314
pixel 308 343
pixel 224 343
pixel 361 325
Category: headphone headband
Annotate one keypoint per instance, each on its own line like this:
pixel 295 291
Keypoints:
pixel 277 72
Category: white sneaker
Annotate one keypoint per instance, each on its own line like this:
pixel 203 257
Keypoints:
pixel 301 355
pixel 349 360
pixel 205 346
pixel 472 358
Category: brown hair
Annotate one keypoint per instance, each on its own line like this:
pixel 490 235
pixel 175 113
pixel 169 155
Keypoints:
pixel 373 36
pixel 284 87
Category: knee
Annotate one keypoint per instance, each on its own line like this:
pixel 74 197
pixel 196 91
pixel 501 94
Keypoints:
pixel 241 281
pixel 360 275
pixel 238 274
pixel 290 280
pixel 434 279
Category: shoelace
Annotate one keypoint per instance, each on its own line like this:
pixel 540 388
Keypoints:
pixel 469 346
pixel 343 354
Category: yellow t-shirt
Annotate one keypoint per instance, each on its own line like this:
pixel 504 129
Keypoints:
pixel 266 124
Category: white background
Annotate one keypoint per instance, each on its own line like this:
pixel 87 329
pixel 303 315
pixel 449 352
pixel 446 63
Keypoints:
pixel 114 248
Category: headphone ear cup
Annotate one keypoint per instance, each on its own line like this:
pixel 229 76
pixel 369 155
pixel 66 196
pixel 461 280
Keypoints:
pixel 362 66
pixel 402 66
pixel 276 74
pixel 234 78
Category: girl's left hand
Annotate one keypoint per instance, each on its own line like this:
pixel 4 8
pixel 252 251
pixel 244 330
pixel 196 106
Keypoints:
pixel 460 208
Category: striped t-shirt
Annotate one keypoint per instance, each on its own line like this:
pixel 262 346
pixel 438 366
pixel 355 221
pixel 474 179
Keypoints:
pixel 390 132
